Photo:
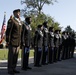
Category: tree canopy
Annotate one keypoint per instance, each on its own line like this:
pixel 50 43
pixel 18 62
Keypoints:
pixel 35 6
pixel 68 29
pixel 36 20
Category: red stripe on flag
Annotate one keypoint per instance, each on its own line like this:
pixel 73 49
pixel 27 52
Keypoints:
pixel 3 29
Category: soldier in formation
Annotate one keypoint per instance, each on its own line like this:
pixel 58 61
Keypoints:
pixel 51 45
pixel 45 44
pixel 38 42
pixel 26 42
pixel 13 37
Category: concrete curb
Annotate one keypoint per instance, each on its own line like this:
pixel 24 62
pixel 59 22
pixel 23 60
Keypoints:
pixel 4 61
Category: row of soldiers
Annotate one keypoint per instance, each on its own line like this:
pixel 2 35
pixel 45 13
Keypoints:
pixel 49 45
pixel 52 46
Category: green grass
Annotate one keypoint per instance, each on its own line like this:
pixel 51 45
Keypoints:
pixel 4 54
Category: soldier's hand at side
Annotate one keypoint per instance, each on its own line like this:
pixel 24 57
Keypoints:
pixel 23 44
pixel 7 43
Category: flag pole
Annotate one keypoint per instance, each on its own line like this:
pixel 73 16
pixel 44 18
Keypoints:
pixel 4 37
pixel 4 12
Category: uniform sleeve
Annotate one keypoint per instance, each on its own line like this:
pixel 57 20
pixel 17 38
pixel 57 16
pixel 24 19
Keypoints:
pixel 8 30
pixel 55 40
pixel 22 35
pixel 35 38
pixel 49 38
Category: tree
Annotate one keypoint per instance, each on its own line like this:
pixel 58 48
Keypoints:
pixel 35 6
pixel 36 20
pixel 56 25
pixel 68 29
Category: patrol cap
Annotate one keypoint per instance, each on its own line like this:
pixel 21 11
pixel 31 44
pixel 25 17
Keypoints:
pixel 59 29
pixel 50 28
pixel 39 26
pixel 45 24
pixel 63 32
pixel 16 10
pixel 27 18
pixel 56 31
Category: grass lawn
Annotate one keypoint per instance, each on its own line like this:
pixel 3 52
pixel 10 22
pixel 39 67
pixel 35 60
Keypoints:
pixel 4 54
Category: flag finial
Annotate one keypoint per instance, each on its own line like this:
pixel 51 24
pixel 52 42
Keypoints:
pixel 4 13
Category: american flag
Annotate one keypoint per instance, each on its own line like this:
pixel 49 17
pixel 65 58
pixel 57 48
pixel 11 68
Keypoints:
pixel 3 29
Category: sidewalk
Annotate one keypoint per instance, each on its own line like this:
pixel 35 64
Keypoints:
pixel 64 67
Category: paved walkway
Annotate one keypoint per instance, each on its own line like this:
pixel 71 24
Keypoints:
pixel 64 67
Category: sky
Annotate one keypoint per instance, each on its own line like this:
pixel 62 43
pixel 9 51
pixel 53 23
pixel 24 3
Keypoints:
pixel 63 12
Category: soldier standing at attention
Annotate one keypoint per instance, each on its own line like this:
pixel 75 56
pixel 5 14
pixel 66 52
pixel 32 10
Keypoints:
pixel 51 45
pixel 56 43
pixel 38 42
pixel 68 45
pixel 72 45
pixel 45 44
pixel 26 42
pixel 13 37
pixel 63 45
pixel 60 46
